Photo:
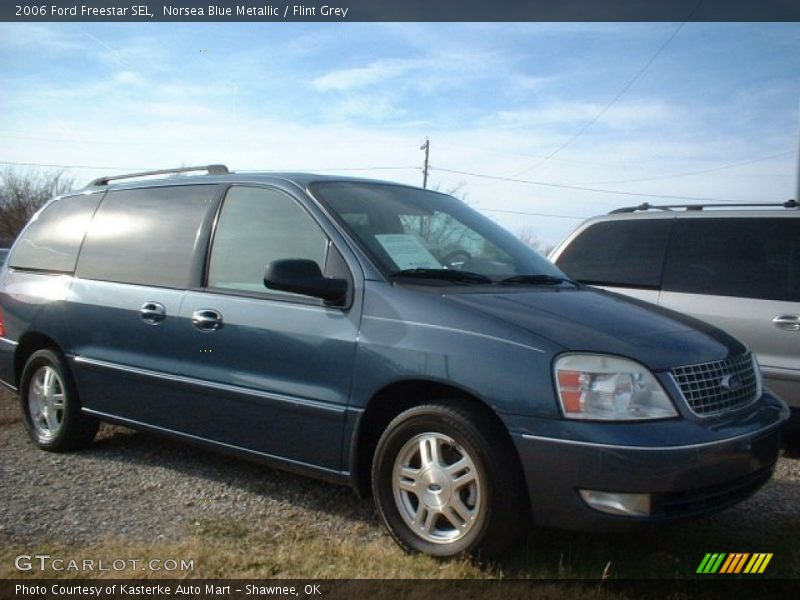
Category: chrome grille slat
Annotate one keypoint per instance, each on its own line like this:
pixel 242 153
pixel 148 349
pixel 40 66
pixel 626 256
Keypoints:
pixel 702 385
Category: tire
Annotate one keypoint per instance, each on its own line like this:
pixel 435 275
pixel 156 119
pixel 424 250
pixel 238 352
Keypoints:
pixel 50 405
pixel 445 487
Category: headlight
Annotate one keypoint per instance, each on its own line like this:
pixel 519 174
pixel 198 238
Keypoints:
pixel 607 388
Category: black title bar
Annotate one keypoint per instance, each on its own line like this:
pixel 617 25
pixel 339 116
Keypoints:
pixel 398 10
pixel 377 589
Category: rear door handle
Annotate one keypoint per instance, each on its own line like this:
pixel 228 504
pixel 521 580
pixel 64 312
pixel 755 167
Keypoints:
pixel 207 319
pixel 787 322
pixel 152 313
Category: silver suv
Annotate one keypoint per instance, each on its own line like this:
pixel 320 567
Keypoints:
pixel 734 266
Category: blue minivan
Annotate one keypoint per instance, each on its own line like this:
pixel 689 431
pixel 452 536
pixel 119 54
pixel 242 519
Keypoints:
pixel 381 336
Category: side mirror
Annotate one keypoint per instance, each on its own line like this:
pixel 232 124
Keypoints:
pixel 302 276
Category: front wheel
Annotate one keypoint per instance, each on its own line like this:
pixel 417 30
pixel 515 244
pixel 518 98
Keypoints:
pixel 444 486
pixel 50 405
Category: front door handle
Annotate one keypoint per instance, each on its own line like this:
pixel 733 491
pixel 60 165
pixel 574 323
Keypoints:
pixel 207 319
pixel 152 313
pixel 787 322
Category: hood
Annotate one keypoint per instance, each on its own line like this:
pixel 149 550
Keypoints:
pixel 589 320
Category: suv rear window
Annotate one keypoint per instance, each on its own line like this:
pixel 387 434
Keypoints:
pixel 146 236
pixel 625 253
pixel 52 241
pixel 749 258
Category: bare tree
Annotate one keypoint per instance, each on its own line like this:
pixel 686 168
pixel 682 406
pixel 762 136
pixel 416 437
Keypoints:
pixel 440 230
pixel 22 194
pixel 458 190
pixel 528 236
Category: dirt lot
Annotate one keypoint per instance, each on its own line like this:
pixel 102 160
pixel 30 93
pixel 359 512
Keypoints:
pixel 135 496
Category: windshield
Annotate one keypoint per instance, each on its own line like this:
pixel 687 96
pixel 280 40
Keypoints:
pixel 415 232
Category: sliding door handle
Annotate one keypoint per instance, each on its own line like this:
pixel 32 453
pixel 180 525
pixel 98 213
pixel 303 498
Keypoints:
pixel 787 322
pixel 152 313
pixel 207 319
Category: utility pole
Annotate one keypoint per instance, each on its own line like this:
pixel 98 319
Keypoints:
pixel 427 147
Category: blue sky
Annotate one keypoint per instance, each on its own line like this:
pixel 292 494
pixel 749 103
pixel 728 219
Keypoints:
pixel 715 115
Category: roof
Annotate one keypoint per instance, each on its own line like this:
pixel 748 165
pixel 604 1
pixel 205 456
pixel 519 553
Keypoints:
pixel 216 174
pixel 699 207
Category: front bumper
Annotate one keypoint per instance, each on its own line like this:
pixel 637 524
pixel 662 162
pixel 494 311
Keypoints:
pixel 685 477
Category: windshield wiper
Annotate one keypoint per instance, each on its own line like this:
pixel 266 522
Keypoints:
pixel 540 279
pixel 443 274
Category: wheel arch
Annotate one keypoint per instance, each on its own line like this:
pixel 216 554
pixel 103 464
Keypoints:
pixel 396 397
pixel 29 343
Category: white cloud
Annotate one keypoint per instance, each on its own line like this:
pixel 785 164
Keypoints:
pixel 183 91
pixel 370 108
pixel 181 111
pixel 151 100
pixel 640 113
pixel 347 79
pixel 439 69
pixel 50 38
pixel 182 132
pixel 128 78
pixel 140 53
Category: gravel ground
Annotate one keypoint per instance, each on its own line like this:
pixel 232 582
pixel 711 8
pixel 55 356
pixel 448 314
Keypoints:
pixel 142 487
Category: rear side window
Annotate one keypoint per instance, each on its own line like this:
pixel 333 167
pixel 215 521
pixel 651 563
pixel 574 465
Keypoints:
pixel 625 253
pixel 749 258
pixel 146 236
pixel 52 241
pixel 255 227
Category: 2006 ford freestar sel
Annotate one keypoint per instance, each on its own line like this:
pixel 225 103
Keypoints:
pixel 381 336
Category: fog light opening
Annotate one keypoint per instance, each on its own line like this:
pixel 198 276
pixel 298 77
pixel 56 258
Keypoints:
pixel 612 503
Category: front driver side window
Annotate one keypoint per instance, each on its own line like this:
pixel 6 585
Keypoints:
pixel 255 227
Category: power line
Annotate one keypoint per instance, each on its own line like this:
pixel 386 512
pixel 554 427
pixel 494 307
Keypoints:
pixel 619 95
pixel 328 169
pixel 698 172
pixel 32 138
pixel 186 143
pixel 492 150
pixel 25 164
pixel 107 168
pixel 391 168
pixel 582 188
pixel 532 214
pixel 468 173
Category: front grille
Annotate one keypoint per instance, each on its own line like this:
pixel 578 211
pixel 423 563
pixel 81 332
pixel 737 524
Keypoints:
pixel 715 387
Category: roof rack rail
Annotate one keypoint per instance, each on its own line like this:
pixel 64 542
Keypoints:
pixel 670 207
pixel 210 169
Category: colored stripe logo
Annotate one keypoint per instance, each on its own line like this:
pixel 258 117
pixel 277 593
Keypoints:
pixel 734 562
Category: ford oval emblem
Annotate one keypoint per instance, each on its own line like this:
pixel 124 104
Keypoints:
pixel 731 383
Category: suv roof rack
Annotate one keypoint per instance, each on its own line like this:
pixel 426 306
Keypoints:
pixel 670 207
pixel 210 169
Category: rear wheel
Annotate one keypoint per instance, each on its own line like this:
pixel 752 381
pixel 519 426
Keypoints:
pixel 445 487
pixel 50 405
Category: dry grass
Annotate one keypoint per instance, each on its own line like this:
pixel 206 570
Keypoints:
pixel 232 551
pixel 251 549
pixel 236 550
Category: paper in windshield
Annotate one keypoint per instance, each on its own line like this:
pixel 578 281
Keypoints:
pixel 407 251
